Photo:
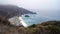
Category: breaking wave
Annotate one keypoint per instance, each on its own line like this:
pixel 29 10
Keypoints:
pixel 22 22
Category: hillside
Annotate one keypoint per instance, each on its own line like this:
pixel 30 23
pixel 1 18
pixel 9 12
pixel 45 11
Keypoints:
pixel 50 27
pixel 9 11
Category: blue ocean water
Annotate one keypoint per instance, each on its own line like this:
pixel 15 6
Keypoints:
pixel 35 19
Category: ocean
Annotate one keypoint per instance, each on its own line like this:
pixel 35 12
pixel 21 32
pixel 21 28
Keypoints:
pixel 31 19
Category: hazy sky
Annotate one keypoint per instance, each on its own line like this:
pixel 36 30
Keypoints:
pixel 49 8
pixel 34 4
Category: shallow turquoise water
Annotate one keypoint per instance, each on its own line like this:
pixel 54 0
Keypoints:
pixel 34 19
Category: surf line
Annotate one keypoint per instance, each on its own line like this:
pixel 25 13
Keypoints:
pixel 22 22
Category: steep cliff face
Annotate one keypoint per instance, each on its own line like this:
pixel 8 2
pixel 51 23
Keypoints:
pixel 15 21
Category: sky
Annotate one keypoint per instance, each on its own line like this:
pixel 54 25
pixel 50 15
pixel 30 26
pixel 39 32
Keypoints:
pixel 49 8
pixel 34 4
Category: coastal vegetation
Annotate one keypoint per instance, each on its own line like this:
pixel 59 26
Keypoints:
pixel 49 27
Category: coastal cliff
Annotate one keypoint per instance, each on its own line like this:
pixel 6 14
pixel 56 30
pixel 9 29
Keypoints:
pixel 6 12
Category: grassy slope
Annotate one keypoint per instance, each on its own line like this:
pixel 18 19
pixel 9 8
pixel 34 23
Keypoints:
pixel 50 27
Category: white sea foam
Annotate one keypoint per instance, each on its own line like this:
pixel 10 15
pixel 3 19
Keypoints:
pixel 22 22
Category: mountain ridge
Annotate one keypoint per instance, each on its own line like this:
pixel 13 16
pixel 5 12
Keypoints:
pixel 9 11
